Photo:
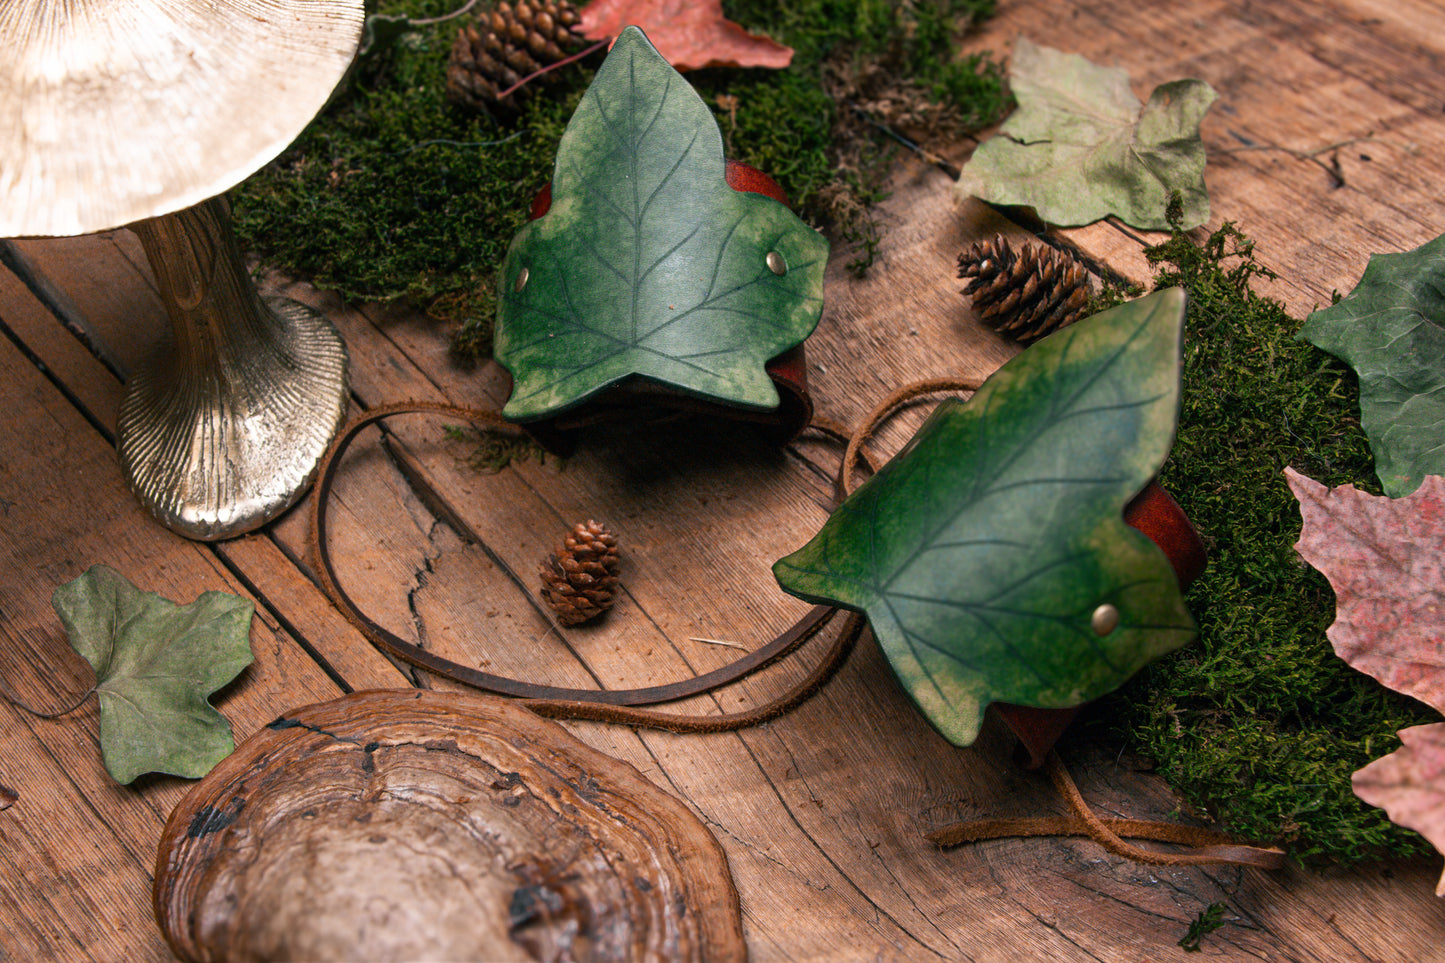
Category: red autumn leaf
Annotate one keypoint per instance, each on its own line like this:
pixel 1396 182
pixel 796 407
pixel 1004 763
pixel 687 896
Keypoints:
pixel 1409 784
pixel 1382 557
pixel 691 34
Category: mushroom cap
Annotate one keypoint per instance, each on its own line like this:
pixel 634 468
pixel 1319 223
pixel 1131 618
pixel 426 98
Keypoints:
pixel 116 110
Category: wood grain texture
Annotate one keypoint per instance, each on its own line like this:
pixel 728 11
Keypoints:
pixel 824 809
pixel 821 813
pixel 1322 144
pixel 65 507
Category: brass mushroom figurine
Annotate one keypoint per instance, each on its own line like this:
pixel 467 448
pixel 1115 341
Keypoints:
pixel 129 113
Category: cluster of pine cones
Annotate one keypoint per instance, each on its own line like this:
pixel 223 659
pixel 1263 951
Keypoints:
pixel 1026 294
pixel 507 44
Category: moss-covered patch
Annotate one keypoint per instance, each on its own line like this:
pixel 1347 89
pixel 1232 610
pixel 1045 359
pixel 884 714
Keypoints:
pixel 393 192
pixel 1258 722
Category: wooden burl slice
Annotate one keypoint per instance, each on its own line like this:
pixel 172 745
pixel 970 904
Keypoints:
pixel 416 824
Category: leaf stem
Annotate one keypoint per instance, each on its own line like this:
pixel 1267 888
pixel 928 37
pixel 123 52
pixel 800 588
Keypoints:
pixel 19 703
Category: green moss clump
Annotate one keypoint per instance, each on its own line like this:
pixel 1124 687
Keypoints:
pixel 1258 722
pixel 392 192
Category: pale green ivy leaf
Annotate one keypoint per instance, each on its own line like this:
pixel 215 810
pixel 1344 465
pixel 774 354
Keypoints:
pixel 1391 330
pixel 984 554
pixel 1081 146
pixel 156 665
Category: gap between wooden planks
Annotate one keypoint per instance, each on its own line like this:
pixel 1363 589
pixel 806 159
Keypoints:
pixel 77 848
pixel 1325 141
pixel 821 812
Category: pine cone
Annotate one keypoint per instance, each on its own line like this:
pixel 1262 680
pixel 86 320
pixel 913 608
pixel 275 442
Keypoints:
pixel 507 44
pixel 1027 295
pixel 578 581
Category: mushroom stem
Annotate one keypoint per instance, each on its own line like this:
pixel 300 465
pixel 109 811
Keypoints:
pixel 223 429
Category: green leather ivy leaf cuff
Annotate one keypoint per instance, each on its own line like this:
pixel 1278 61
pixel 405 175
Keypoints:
pixel 991 555
pixel 647 264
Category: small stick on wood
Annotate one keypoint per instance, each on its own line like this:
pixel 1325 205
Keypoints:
pixel 732 645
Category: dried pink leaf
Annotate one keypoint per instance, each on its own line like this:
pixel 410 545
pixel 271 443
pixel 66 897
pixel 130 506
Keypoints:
pixel 690 34
pixel 1382 557
pixel 1409 784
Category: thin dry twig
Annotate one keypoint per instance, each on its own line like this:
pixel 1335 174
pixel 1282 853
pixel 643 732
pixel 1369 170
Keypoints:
pixel 1337 176
pixel 731 645
pixel 550 67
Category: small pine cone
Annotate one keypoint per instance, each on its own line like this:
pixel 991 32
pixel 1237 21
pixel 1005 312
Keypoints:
pixel 507 44
pixel 1026 295
pixel 578 581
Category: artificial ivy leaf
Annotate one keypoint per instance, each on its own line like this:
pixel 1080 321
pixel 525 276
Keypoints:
pixel 1391 330
pixel 691 34
pixel 156 664
pixel 1081 147
pixel 648 263
pixel 986 551
pixel 1382 557
pixel 1409 784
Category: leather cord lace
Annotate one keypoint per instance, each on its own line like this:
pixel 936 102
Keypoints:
pixel 602 705
pixel 634 707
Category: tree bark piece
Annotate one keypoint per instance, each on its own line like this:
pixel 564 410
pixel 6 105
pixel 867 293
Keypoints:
pixel 416 824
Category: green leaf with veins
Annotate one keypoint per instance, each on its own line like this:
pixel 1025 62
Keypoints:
pixel 648 264
pixel 1391 330
pixel 156 664
pixel 982 552
pixel 1081 147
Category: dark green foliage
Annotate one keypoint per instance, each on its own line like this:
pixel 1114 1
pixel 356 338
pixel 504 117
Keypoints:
pixel 1259 722
pixel 852 58
pixel 392 192
pixel 917 40
pixel 1209 919
pixel 490 451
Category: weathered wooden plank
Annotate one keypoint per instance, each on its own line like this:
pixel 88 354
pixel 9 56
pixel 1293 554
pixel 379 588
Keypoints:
pixel 652 493
pixel 65 508
pixel 858 862
pixel 822 811
pixel 109 280
pixel 70 888
pixel 1293 78
pixel 872 861
pixel 530 529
